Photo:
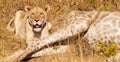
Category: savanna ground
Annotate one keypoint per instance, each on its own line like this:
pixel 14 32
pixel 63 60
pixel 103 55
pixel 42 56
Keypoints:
pixel 80 51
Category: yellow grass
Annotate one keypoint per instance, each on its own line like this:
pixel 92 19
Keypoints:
pixel 80 51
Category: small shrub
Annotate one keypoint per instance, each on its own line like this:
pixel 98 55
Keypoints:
pixel 104 8
pixel 93 2
pixel 56 47
pixel 108 50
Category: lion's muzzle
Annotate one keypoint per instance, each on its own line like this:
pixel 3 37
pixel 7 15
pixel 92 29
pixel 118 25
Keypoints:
pixel 37 27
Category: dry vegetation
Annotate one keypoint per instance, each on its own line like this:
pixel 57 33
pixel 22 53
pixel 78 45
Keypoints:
pixel 80 51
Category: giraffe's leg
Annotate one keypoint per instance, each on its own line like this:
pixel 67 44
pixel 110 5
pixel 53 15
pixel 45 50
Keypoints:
pixel 12 57
pixel 48 51
pixel 52 50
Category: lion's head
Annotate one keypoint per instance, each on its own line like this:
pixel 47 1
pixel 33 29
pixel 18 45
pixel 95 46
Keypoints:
pixel 37 18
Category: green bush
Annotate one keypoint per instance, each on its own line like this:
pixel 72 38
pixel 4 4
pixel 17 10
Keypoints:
pixel 93 2
pixel 107 50
pixel 56 47
pixel 104 8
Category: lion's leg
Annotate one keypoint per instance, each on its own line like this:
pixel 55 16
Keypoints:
pixel 9 25
pixel 49 25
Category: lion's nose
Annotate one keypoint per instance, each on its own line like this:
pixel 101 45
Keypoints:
pixel 36 20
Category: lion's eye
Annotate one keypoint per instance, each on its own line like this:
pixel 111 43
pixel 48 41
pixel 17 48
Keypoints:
pixel 41 13
pixel 27 17
pixel 32 13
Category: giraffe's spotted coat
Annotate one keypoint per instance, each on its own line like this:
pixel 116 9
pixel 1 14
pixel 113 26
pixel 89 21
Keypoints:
pixel 105 28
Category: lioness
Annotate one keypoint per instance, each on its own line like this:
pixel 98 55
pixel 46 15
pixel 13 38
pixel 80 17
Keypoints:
pixel 31 23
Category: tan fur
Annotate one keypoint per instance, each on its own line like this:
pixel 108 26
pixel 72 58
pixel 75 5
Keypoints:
pixel 22 27
pixel 20 23
pixel 21 15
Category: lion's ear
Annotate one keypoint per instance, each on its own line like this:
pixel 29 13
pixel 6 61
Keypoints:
pixel 47 8
pixel 27 8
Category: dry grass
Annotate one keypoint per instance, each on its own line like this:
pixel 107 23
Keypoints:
pixel 80 52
